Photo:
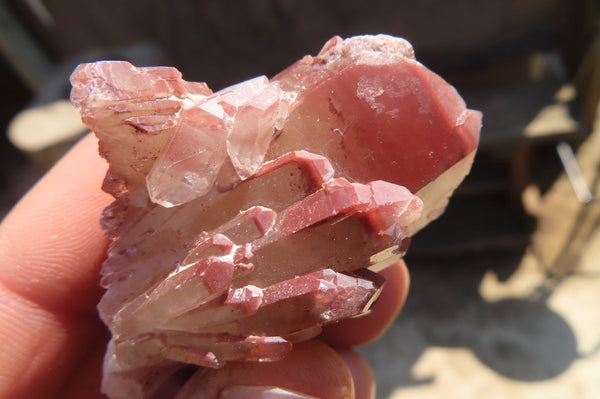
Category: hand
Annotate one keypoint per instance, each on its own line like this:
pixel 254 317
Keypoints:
pixel 52 341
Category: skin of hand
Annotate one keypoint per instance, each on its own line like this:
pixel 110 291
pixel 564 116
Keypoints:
pixel 51 339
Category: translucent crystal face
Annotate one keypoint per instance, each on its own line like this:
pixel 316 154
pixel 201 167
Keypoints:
pixel 246 219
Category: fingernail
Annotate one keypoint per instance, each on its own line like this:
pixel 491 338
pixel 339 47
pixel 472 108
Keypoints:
pixel 261 392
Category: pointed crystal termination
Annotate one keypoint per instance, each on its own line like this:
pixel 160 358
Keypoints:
pixel 246 219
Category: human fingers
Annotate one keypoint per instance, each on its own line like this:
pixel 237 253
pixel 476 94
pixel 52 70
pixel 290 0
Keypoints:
pixel 362 374
pixel 368 328
pixel 51 244
pixel 51 247
pixel 311 370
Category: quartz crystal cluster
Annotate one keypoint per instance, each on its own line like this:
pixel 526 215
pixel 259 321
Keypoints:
pixel 246 219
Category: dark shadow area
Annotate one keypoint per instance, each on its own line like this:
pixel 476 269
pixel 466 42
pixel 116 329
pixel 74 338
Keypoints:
pixel 475 223
pixel 522 340
pixel 509 107
pixel 519 339
pixel 227 41
pixel 16 171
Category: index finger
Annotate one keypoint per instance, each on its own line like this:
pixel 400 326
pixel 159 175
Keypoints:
pixel 51 248
pixel 51 244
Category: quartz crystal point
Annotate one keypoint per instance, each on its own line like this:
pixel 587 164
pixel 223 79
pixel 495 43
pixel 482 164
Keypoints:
pixel 246 219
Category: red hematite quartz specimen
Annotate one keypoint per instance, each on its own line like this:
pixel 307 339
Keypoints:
pixel 246 219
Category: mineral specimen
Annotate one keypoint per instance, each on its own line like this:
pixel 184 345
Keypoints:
pixel 246 219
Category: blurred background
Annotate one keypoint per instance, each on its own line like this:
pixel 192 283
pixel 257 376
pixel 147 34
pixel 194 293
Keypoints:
pixel 506 285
